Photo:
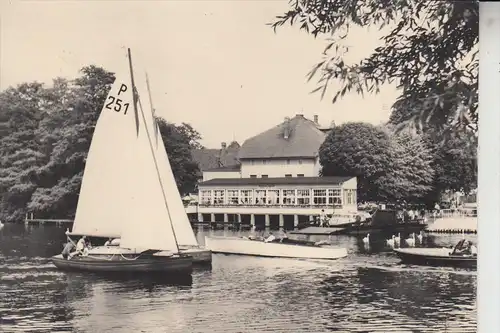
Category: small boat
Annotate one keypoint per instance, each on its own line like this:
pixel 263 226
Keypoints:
pixel 435 257
pixel 122 195
pixel 285 249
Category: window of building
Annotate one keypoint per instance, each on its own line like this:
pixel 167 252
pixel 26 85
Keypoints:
pixel 219 197
pixel 319 197
pixel 260 197
pixel 335 197
pixel 265 176
pixel 300 175
pixel 253 176
pixel 289 197
pixel 350 197
pixel 206 197
pixel 304 197
pixel 288 175
pixel 273 197
pixel 232 197
pixel 246 197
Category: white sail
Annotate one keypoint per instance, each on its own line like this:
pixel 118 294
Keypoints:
pixel 121 194
pixel 180 221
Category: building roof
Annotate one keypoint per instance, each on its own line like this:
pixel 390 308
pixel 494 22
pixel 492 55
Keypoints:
pixel 215 158
pixel 276 181
pixel 303 140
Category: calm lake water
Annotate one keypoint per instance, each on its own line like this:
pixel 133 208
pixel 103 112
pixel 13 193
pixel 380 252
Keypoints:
pixel 367 292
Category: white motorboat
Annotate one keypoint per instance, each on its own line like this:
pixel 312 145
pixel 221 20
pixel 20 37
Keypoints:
pixel 245 246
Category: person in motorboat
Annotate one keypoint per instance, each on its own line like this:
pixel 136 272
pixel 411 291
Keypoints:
pixel 464 247
pixel 282 236
pixel 270 238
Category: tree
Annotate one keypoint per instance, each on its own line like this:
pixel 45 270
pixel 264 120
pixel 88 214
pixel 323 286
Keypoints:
pixel 430 52
pixel 391 166
pixel 179 141
pixel 66 134
pixel 361 150
pixel 410 177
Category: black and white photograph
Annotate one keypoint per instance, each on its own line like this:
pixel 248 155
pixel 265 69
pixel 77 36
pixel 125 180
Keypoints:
pixel 244 166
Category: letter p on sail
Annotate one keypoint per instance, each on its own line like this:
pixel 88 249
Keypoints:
pixel 123 88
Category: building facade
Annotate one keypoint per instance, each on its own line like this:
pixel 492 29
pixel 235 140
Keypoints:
pixel 274 181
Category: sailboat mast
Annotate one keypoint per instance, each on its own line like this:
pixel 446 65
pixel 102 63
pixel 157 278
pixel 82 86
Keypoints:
pixel 151 146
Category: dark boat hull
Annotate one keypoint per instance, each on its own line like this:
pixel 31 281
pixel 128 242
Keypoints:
pixel 200 256
pixel 119 264
pixel 436 260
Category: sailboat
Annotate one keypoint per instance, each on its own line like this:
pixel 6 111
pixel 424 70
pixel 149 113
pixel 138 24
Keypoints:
pixel 186 238
pixel 123 196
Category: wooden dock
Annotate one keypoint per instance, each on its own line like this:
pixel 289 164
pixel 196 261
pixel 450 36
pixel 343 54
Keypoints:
pixel 31 220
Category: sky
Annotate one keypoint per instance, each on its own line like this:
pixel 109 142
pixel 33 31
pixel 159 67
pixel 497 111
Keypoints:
pixel 213 64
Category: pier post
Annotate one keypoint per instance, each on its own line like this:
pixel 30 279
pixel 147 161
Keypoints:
pixel 268 221
pixel 282 221
pixel 226 219
pixel 252 220
pixel 239 218
pixel 200 217
pixel 295 220
pixel 212 217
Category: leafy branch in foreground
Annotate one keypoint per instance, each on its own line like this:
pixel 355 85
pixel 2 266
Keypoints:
pixel 430 52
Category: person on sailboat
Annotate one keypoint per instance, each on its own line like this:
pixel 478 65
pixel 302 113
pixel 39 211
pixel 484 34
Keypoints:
pixel 80 246
pixel 108 242
pixel 67 249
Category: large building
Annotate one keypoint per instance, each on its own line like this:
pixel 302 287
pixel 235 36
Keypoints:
pixel 273 179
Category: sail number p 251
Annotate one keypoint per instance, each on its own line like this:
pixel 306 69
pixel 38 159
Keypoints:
pixel 115 103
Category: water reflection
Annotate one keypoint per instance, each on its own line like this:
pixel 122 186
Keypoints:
pixel 367 291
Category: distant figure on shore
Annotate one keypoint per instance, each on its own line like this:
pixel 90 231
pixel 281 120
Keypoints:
pixel 322 218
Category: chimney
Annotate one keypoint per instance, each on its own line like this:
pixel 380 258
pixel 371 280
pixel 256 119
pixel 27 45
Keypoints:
pixel 286 129
pixel 223 145
pixel 316 119
pixel 299 115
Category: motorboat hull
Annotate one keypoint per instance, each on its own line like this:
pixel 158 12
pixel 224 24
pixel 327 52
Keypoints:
pixel 242 246
pixel 435 257
pixel 200 255
pixel 112 260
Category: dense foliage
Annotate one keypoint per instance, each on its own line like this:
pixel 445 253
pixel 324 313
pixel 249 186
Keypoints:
pixel 45 134
pixel 397 166
pixel 430 52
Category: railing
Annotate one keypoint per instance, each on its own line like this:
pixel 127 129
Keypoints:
pixel 270 206
pixel 459 212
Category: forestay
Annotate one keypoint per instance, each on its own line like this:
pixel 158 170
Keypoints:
pixel 121 194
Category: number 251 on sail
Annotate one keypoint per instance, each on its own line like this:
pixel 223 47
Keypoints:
pixel 116 102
